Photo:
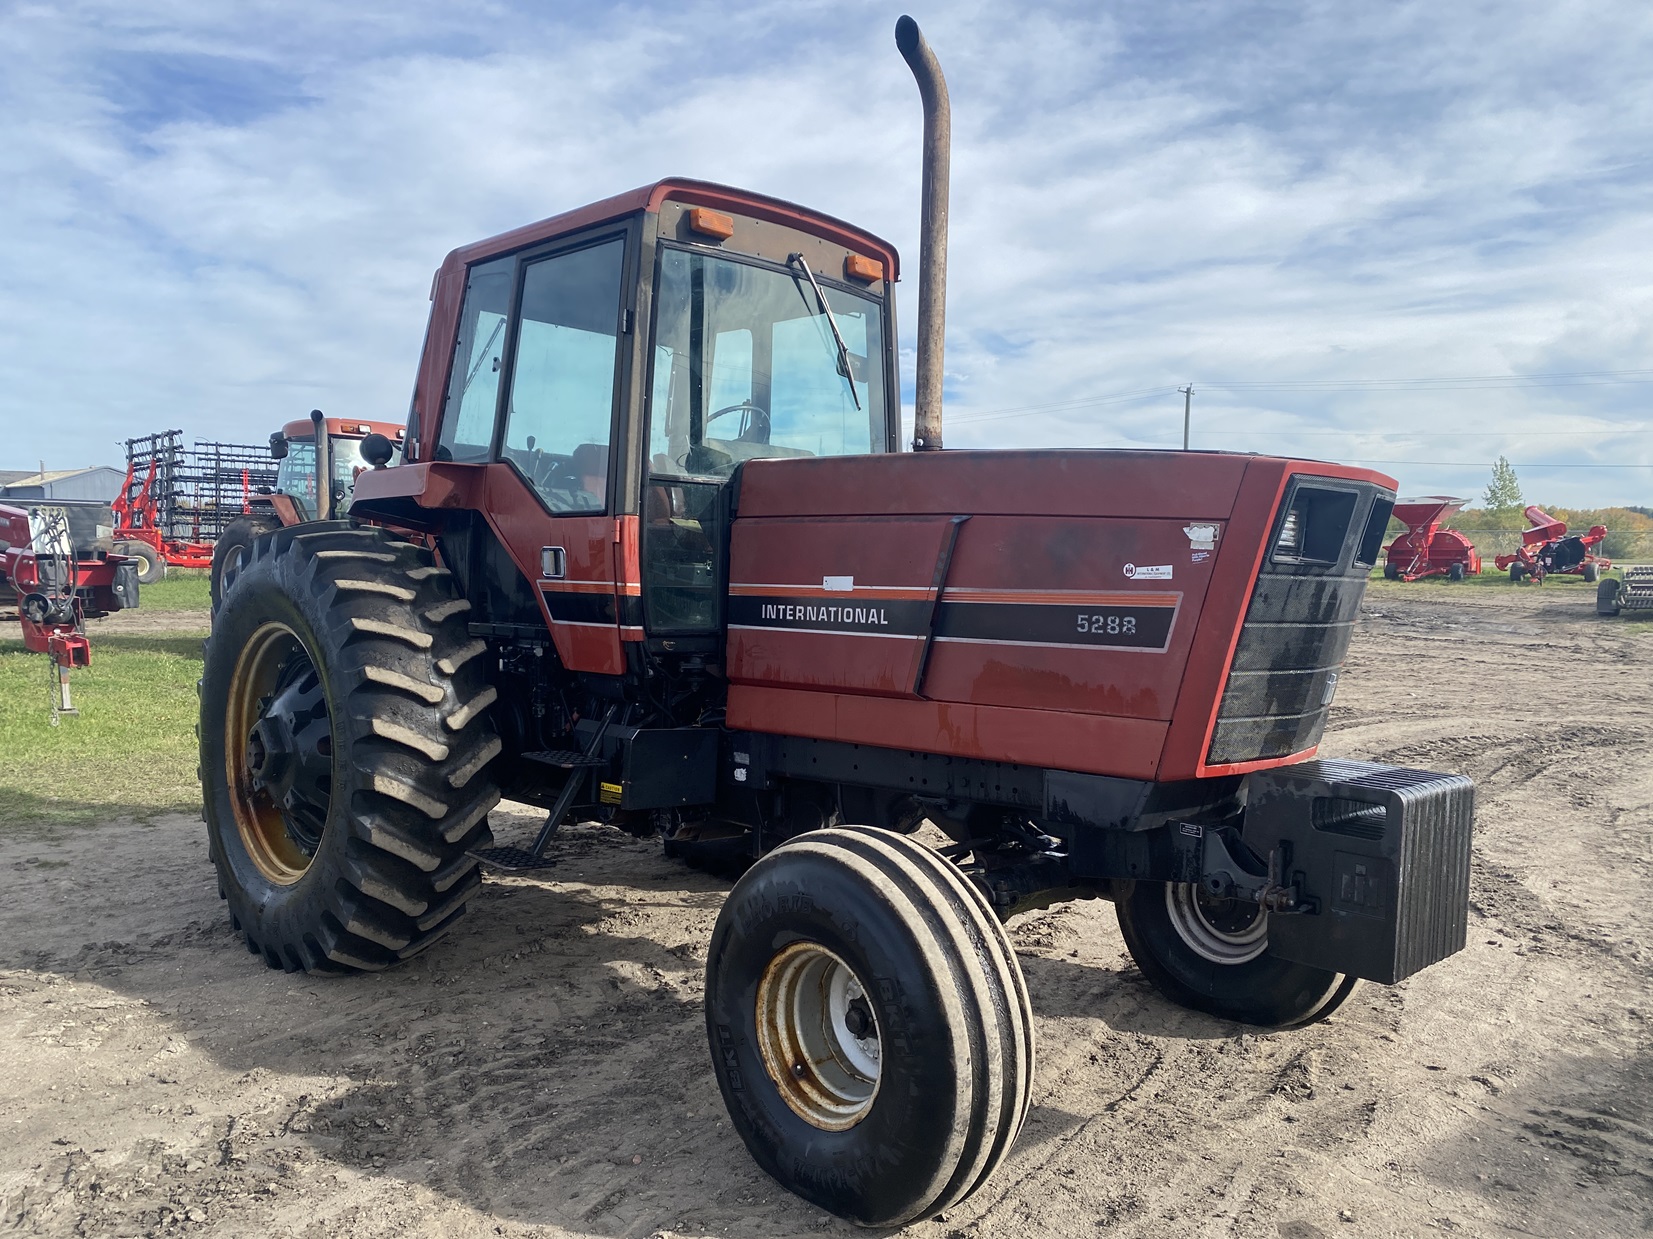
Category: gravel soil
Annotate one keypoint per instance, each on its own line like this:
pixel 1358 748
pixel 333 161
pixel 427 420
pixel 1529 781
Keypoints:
pixel 543 1071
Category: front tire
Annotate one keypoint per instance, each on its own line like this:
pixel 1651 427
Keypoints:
pixel 1211 955
pixel 344 744
pixel 230 552
pixel 869 1025
pixel 1592 573
pixel 151 566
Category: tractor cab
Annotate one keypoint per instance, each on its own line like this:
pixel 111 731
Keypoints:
pixel 294 446
pixel 603 377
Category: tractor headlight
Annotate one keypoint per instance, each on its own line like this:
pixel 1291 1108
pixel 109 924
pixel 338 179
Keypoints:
pixel 1290 541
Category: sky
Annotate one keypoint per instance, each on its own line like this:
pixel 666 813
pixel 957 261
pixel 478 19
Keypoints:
pixel 1414 235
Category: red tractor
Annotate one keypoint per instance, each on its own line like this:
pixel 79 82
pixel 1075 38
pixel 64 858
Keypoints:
pixel 1425 549
pixel 58 576
pixel 1546 548
pixel 306 450
pixel 654 556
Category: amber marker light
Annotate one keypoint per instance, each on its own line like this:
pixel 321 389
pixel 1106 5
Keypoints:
pixel 869 270
pixel 711 224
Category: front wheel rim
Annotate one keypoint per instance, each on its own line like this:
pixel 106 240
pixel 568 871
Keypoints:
pixel 1224 931
pixel 278 753
pixel 818 1036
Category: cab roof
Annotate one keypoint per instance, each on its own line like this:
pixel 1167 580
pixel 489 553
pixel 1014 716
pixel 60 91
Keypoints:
pixel 695 193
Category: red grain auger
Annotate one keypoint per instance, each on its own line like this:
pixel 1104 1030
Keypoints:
pixel 1546 548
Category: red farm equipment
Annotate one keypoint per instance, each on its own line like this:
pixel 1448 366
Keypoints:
pixel 654 556
pixel 176 501
pixel 56 569
pixel 1425 549
pixel 1547 549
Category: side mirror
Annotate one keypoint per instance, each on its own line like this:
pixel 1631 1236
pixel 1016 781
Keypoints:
pixel 377 450
pixel 278 446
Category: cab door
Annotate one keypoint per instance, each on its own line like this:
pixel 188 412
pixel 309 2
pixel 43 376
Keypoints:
pixel 551 484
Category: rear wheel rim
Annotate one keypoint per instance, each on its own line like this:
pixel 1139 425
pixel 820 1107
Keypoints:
pixel 278 753
pixel 818 1036
pixel 1224 931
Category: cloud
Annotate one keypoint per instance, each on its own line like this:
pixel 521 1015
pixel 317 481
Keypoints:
pixel 225 215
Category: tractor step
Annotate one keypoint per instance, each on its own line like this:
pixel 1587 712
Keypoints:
pixel 564 759
pixel 511 860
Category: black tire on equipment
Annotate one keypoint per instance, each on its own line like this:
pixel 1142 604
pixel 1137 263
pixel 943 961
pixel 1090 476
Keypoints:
pixel 1607 597
pixel 1455 572
pixel 1391 572
pixel 1592 573
pixel 1272 993
pixel 953 1023
pixel 230 551
pixel 1516 573
pixel 407 691
pixel 151 567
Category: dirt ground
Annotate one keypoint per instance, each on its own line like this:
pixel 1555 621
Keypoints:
pixel 543 1072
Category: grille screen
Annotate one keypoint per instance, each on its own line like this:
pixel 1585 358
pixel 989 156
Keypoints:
pixel 1297 628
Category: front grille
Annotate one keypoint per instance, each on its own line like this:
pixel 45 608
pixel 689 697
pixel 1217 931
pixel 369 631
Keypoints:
pixel 1297 628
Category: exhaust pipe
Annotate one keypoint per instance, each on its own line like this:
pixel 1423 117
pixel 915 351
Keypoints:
pixel 932 245
pixel 324 467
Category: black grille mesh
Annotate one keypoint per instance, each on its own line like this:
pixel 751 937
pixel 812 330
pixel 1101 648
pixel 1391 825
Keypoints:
pixel 1291 647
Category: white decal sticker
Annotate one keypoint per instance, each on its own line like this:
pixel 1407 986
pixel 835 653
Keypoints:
pixel 838 584
pixel 1201 537
pixel 1148 572
pixel 1198 556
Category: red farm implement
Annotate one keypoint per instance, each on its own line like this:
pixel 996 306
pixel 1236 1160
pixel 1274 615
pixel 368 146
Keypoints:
pixel 1425 549
pixel 177 501
pixel 55 568
pixel 1547 548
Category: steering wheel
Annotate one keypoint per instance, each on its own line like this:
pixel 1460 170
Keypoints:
pixel 754 422
pixel 548 472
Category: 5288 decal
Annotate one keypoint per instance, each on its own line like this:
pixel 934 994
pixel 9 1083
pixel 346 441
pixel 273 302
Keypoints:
pixel 1112 625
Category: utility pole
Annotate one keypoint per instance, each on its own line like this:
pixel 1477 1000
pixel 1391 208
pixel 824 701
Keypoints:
pixel 1187 411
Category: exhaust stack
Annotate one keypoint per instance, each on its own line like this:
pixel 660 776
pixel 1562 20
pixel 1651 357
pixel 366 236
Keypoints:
pixel 932 247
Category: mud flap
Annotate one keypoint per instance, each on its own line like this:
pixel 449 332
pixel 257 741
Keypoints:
pixel 1380 853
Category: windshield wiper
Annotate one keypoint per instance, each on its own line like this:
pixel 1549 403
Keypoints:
pixel 837 336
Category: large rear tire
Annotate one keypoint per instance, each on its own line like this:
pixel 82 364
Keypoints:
pixel 869 1025
pixel 1211 956
pixel 230 551
pixel 345 740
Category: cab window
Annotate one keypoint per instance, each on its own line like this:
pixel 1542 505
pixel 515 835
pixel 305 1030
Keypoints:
pixel 478 355
pixel 563 376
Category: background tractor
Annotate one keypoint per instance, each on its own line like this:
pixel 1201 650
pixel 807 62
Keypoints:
pixel 653 556
pixel 305 451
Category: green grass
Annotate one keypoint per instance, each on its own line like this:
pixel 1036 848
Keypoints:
pixel 182 589
pixel 1490 578
pixel 130 752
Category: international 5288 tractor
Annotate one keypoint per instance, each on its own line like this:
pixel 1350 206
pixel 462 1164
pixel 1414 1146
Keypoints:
pixel 654 556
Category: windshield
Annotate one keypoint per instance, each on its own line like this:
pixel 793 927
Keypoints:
pixel 746 365
pixel 296 474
